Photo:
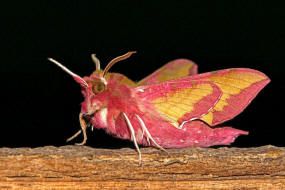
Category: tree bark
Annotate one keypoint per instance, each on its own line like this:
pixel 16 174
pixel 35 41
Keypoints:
pixel 82 167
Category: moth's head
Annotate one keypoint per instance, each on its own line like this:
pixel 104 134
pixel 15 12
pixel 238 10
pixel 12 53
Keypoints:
pixel 95 84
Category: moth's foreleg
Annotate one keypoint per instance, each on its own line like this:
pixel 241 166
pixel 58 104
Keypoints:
pixel 74 136
pixel 148 133
pixel 83 129
pixel 131 128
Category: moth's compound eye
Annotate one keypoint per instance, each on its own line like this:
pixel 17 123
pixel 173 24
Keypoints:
pixel 98 87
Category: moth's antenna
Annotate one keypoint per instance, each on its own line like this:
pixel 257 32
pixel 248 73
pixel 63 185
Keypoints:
pixel 96 61
pixel 117 59
pixel 75 76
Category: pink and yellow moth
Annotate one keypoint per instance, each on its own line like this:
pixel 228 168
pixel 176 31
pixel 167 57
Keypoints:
pixel 174 107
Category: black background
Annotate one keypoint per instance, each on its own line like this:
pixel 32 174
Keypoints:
pixel 40 103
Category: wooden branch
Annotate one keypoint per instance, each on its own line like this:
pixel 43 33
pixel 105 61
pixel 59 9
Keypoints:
pixel 81 167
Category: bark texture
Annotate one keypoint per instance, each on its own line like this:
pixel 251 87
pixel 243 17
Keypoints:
pixel 82 167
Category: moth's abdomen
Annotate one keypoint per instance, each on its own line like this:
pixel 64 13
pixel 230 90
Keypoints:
pixel 195 133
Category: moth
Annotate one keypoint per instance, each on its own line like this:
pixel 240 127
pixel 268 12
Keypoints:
pixel 174 107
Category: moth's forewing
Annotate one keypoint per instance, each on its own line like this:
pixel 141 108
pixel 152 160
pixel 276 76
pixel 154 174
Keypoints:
pixel 181 100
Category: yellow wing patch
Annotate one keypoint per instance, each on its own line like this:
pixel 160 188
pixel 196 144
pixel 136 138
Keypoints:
pixel 173 70
pixel 174 73
pixel 180 102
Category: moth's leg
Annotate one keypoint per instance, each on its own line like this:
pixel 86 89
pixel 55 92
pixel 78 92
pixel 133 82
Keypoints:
pixel 83 129
pixel 181 125
pixel 147 138
pixel 133 136
pixel 75 135
pixel 193 119
pixel 148 134
pixel 142 134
